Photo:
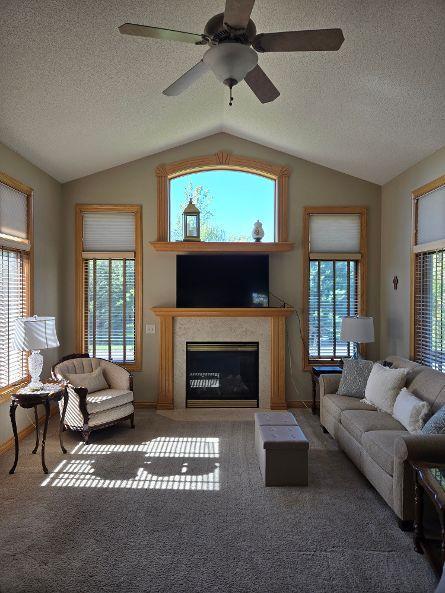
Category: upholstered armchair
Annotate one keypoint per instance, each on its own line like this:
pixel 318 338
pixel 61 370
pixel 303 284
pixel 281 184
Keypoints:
pixel 88 411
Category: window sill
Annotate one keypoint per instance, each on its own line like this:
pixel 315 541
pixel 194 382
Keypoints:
pixel 226 247
pixel 6 393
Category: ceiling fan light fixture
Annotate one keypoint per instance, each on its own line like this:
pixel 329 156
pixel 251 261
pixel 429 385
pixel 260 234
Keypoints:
pixel 231 61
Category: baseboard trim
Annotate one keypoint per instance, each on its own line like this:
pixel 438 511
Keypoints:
pixel 299 403
pixel 9 444
pixel 141 405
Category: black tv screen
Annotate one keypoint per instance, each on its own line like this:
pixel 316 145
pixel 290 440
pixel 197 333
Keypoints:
pixel 222 281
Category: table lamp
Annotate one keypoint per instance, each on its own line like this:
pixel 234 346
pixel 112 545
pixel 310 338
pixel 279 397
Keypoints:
pixel 34 334
pixel 358 330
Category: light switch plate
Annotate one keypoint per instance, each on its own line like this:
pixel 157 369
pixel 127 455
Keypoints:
pixel 150 329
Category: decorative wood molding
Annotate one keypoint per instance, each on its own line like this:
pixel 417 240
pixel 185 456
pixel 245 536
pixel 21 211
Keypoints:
pixel 277 347
pixel 140 405
pixel 362 258
pixel 79 276
pixel 297 403
pixel 214 247
pixel 223 160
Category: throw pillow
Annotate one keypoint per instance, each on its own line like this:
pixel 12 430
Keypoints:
pixel 383 386
pixel 354 377
pixel 436 424
pixel 94 381
pixel 410 411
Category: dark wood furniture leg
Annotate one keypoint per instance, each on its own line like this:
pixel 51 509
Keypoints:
pixel 132 420
pixel 314 396
pixel 442 526
pixel 418 516
pixel 12 410
pixel 36 419
pixel 45 430
pixel 62 421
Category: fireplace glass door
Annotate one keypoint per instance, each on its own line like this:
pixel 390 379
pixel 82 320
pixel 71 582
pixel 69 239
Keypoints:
pixel 222 374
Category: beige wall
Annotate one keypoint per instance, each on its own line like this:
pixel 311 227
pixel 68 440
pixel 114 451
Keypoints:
pixel 135 182
pixel 396 244
pixel 47 257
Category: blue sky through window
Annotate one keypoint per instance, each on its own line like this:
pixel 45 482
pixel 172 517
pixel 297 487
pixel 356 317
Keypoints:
pixel 230 203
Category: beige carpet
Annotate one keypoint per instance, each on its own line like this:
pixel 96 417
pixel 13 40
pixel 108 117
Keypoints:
pixel 177 505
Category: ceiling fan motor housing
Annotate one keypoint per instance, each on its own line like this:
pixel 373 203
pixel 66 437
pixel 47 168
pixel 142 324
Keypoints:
pixel 230 61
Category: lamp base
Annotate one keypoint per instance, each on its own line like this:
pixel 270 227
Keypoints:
pixel 35 366
pixel 356 352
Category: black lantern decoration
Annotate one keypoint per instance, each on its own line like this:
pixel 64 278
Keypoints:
pixel 191 222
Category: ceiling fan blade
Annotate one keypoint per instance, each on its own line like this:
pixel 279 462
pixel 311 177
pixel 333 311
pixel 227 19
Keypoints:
pixel 237 13
pixel 316 40
pixel 261 85
pixel 158 33
pixel 186 79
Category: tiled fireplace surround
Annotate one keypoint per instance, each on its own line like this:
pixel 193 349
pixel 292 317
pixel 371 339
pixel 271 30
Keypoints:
pixel 179 326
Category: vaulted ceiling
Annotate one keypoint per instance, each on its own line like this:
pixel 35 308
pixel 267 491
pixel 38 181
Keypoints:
pixel 77 97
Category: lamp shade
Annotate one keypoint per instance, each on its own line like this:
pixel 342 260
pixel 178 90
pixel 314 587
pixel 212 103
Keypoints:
pixel 35 333
pixel 357 329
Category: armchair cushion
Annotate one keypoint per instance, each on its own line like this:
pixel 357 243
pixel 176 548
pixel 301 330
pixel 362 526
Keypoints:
pixel 106 399
pixel 94 381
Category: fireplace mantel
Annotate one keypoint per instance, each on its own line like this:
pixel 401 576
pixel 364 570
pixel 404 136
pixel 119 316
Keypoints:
pixel 277 318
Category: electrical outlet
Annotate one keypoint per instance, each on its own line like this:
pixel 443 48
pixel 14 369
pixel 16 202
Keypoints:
pixel 150 329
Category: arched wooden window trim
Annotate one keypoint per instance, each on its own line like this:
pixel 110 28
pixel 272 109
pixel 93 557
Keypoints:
pixel 223 160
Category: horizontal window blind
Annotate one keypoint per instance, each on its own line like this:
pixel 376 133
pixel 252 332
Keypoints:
pixel 334 233
pixel 333 294
pixel 431 217
pixel 109 309
pixel 13 217
pixel 108 231
pixel 13 304
pixel 429 309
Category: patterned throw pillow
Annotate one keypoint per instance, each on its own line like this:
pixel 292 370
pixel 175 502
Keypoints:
pixel 436 424
pixel 354 377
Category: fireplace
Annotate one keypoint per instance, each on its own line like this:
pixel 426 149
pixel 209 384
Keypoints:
pixel 222 374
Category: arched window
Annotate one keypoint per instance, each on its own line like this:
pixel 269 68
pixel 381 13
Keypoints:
pixel 230 201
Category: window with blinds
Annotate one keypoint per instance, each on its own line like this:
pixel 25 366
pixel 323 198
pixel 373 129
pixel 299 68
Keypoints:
pixel 109 283
pixel 429 275
pixel 15 248
pixel 335 250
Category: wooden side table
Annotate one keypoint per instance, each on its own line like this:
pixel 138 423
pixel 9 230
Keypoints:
pixel 430 480
pixel 52 392
pixel 315 375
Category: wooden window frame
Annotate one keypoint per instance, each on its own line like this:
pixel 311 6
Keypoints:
pixel 362 257
pixel 223 161
pixel 416 196
pixel 80 332
pixel 6 179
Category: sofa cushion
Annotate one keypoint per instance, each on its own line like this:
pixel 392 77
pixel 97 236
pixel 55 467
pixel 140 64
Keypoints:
pixel 107 399
pixel 335 404
pixel 379 444
pixel 383 386
pixel 357 422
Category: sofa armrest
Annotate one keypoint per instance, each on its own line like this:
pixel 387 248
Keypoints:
pixel 429 448
pixel 116 376
pixel 329 383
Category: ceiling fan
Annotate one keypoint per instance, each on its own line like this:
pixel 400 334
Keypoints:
pixel 230 57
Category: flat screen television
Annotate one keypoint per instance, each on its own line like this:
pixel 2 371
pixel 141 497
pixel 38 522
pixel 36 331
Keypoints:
pixel 222 281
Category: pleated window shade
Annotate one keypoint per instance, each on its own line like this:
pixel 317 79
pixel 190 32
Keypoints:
pixel 334 233
pixel 431 217
pixel 13 304
pixel 108 231
pixel 429 309
pixel 13 217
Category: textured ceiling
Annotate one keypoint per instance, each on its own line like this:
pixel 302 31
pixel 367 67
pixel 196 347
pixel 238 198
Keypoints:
pixel 77 97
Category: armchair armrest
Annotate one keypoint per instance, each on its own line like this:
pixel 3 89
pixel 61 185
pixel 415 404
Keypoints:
pixel 429 448
pixel 116 376
pixel 329 383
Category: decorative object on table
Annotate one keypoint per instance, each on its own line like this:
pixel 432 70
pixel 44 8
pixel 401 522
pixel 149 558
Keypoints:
pixel 395 282
pixel 358 330
pixel 315 376
pixel 30 398
pixel 430 480
pixel 258 231
pixel 191 220
pixel 35 334
pixel 383 387
pixel 436 424
pixel 410 411
pixel 355 375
